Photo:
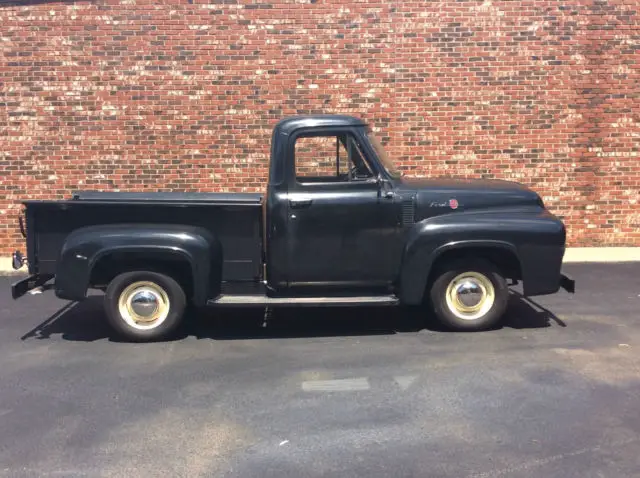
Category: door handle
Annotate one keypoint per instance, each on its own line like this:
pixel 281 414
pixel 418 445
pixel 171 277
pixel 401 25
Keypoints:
pixel 299 203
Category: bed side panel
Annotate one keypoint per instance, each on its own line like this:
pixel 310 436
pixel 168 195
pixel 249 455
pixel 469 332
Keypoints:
pixel 237 227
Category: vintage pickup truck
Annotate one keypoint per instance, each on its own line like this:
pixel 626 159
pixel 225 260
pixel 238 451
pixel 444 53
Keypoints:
pixel 338 226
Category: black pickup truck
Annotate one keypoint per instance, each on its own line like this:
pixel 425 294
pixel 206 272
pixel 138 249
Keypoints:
pixel 338 226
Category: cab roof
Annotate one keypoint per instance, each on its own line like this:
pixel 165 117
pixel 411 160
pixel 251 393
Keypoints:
pixel 292 123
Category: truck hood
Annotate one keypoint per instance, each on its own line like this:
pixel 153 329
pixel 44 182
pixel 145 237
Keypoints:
pixel 440 196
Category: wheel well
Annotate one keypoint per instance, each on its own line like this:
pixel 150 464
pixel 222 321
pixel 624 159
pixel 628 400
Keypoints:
pixel 111 265
pixel 505 260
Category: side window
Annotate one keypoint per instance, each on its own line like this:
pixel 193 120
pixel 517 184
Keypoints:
pixel 360 169
pixel 319 157
pixel 336 158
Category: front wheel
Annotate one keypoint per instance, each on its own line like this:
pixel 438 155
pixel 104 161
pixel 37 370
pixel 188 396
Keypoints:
pixel 144 306
pixel 469 295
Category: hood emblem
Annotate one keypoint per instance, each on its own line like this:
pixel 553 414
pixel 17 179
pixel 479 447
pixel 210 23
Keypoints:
pixel 452 203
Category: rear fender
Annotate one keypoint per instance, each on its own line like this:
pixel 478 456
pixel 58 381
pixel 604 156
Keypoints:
pixel 147 243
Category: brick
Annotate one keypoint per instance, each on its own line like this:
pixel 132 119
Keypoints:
pixel 182 95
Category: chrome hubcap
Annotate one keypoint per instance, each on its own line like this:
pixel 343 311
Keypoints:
pixel 470 295
pixel 144 305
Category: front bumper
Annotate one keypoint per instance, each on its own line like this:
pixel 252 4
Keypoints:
pixel 567 283
pixel 20 288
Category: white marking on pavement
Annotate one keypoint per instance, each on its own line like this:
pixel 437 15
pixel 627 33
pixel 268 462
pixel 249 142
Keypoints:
pixel 405 381
pixel 284 442
pixel 340 385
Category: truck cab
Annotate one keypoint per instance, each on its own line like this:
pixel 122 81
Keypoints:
pixel 333 214
pixel 339 225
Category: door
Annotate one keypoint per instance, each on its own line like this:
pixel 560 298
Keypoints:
pixel 340 228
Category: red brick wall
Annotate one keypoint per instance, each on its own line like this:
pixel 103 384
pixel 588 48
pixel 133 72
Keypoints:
pixel 182 95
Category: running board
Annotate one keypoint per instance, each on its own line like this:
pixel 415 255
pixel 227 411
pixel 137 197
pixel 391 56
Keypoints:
pixel 263 300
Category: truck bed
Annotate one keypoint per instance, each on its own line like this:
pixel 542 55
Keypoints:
pixel 235 218
pixel 250 199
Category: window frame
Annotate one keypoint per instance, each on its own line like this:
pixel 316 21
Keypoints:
pixel 330 132
pixel 335 165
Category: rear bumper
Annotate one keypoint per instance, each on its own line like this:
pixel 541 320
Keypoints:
pixel 20 288
pixel 567 283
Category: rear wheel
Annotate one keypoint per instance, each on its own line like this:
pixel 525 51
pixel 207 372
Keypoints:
pixel 469 295
pixel 144 306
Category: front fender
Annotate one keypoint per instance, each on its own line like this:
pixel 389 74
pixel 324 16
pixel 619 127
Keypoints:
pixel 535 238
pixel 84 247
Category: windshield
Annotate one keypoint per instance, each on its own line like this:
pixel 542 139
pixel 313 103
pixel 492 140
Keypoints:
pixel 382 155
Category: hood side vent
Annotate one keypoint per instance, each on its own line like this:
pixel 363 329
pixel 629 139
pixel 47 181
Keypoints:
pixel 408 210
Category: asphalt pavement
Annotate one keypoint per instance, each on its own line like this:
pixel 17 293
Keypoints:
pixel 328 392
